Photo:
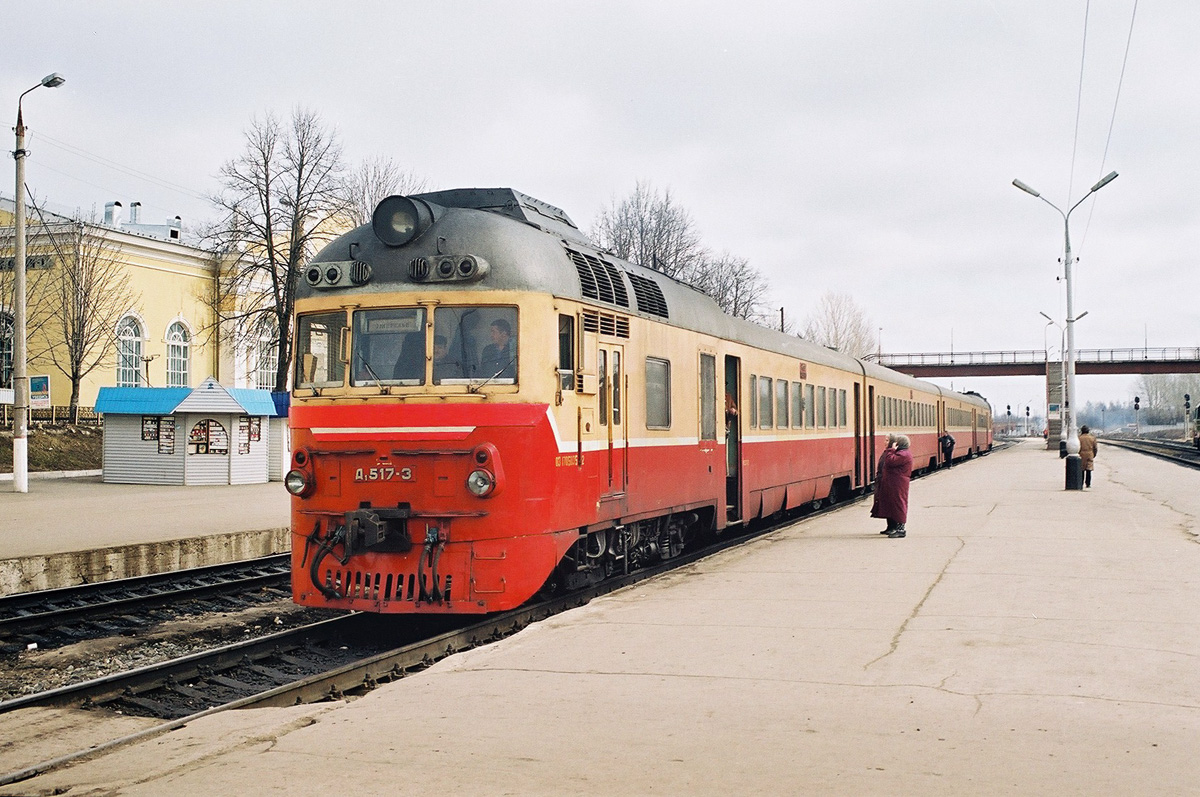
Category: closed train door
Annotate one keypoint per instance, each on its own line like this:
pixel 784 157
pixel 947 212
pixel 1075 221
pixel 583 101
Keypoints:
pixel 858 436
pixel 610 367
pixel 870 441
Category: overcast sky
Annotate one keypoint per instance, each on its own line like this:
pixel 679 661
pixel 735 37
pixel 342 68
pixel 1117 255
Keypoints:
pixel 862 147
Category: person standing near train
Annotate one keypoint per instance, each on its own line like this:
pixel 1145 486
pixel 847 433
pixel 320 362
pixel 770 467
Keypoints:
pixel 946 441
pixel 891 486
pixel 1087 453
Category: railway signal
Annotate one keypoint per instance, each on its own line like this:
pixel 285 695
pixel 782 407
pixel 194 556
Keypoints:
pixel 1137 428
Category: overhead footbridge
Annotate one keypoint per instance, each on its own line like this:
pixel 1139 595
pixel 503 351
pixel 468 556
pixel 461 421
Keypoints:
pixel 1035 362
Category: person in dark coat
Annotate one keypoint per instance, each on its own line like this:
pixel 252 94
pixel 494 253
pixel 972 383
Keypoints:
pixel 1087 454
pixel 891 486
pixel 946 441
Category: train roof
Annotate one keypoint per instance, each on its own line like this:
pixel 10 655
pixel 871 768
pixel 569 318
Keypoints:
pixel 530 245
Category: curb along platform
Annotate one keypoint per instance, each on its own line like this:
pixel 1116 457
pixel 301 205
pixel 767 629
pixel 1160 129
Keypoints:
pixel 1021 640
pixel 79 530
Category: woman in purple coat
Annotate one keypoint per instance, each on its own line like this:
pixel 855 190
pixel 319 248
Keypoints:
pixel 891 486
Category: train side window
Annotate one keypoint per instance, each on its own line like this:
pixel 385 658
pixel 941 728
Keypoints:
pixel 566 352
pixel 602 368
pixel 822 408
pixel 658 393
pixel 833 408
pixel 842 420
pixel 319 339
pixel 781 404
pixel 810 406
pixel 765 416
pixel 753 401
pixel 708 397
pixel 797 406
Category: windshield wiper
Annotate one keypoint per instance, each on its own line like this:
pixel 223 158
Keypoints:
pixel 375 376
pixel 474 386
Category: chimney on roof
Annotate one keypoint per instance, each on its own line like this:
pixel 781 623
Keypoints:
pixel 135 213
pixel 112 214
pixel 176 225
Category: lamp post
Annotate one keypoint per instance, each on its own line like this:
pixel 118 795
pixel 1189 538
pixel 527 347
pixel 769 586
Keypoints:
pixel 20 367
pixel 1074 474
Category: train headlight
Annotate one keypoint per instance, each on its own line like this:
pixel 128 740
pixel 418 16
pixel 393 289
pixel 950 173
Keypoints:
pixel 398 220
pixel 298 483
pixel 481 483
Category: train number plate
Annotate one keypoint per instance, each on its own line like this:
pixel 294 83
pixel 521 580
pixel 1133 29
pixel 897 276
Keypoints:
pixel 384 474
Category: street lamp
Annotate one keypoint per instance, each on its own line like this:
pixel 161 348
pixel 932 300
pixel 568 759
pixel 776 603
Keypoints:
pixel 20 367
pixel 1074 474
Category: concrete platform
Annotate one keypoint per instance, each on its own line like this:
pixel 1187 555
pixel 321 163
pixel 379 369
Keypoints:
pixel 79 530
pixel 1021 640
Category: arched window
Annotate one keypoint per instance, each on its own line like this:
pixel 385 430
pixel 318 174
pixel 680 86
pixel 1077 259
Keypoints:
pixel 266 354
pixel 179 345
pixel 7 331
pixel 129 352
pixel 208 437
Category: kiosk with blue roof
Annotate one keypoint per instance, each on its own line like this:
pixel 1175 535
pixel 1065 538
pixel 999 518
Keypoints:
pixel 180 435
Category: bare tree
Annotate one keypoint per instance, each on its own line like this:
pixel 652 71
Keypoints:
pixel 282 198
pixel 650 229
pixel 839 323
pixel 83 295
pixel 736 286
pixel 374 180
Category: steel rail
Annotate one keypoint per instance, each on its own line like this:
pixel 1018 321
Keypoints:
pixel 30 611
pixel 1179 453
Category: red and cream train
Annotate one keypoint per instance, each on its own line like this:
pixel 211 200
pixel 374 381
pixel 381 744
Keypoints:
pixel 484 402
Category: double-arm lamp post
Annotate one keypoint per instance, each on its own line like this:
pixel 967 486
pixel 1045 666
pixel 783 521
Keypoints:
pixel 20 367
pixel 1074 476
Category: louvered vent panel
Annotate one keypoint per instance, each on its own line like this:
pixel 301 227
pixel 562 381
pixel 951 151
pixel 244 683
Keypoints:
pixel 599 279
pixel 650 297
pixel 606 324
pixel 587 282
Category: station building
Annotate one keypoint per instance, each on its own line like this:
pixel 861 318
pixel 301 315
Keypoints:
pixel 159 325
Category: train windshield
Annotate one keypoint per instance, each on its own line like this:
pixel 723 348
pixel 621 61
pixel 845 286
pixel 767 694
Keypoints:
pixel 475 346
pixel 319 341
pixel 389 347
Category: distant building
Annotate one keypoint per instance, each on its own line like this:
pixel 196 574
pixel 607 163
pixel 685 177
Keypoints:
pixel 164 334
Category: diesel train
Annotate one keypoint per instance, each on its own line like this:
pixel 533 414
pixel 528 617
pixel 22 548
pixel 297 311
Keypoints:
pixel 485 404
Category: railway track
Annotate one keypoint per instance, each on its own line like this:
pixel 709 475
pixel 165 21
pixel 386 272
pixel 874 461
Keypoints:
pixel 1177 452
pixel 52 618
pixel 324 660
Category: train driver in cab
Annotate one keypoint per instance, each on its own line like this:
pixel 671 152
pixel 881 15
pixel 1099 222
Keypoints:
pixel 499 358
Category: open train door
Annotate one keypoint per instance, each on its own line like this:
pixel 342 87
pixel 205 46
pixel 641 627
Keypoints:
pixel 733 439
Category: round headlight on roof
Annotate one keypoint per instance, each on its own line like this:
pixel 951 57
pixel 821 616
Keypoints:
pixel 398 220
